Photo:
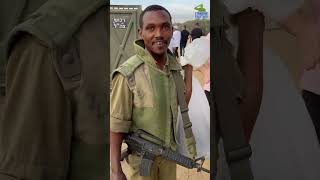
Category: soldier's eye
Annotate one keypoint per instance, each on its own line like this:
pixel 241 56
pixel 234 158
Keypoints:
pixel 150 28
pixel 167 27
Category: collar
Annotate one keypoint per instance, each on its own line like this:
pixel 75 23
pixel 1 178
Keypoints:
pixel 171 62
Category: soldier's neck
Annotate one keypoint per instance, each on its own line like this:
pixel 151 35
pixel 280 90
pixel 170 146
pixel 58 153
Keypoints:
pixel 160 60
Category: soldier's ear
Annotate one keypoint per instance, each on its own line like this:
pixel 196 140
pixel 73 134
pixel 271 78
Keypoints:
pixel 140 33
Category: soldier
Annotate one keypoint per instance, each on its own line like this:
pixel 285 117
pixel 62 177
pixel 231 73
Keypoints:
pixel 54 121
pixel 144 96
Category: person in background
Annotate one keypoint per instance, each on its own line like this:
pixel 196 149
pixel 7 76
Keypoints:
pixel 205 70
pixel 196 32
pixel 184 39
pixel 176 37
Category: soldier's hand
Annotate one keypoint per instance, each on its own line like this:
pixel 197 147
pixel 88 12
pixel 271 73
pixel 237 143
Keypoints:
pixel 118 176
pixel 188 82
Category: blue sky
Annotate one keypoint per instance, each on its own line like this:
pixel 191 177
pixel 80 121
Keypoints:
pixel 181 10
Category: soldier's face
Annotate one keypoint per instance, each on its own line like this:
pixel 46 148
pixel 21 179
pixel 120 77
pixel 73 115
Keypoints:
pixel 156 31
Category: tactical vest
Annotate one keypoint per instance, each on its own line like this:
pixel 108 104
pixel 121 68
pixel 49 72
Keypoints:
pixel 155 100
pixel 73 30
pixel 227 90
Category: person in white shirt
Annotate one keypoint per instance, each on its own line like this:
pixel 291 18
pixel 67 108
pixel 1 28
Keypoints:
pixel 175 41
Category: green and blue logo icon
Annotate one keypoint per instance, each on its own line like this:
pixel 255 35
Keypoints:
pixel 201 12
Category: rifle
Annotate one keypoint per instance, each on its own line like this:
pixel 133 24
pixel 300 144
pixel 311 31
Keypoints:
pixel 149 151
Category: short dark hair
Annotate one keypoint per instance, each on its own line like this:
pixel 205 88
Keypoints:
pixel 152 8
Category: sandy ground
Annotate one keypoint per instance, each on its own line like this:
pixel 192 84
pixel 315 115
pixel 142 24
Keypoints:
pixel 192 174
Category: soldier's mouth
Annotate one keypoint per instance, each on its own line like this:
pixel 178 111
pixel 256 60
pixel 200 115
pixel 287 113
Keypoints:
pixel 159 43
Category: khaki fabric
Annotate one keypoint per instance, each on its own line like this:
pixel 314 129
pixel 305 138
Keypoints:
pixel 13 12
pixel 89 100
pixel 55 116
pixel 121 105
pixel 36 129
pixel 162 169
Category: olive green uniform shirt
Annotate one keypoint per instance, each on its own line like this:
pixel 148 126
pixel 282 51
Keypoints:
pixel 122 104
pixel 54 124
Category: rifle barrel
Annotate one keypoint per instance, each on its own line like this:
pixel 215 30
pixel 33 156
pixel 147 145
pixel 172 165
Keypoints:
pixel 205 170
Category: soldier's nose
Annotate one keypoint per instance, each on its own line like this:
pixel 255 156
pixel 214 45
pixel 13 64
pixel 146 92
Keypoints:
pixel 158 33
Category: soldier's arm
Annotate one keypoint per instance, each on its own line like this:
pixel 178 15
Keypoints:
pixel 250 56
pixel 115 147
pixel 120 121
pixel 188 81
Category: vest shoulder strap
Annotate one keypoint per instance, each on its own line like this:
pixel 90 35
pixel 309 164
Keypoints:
pixel 128 68
pixel 189 137
pixel 55 22
pixel 225 118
